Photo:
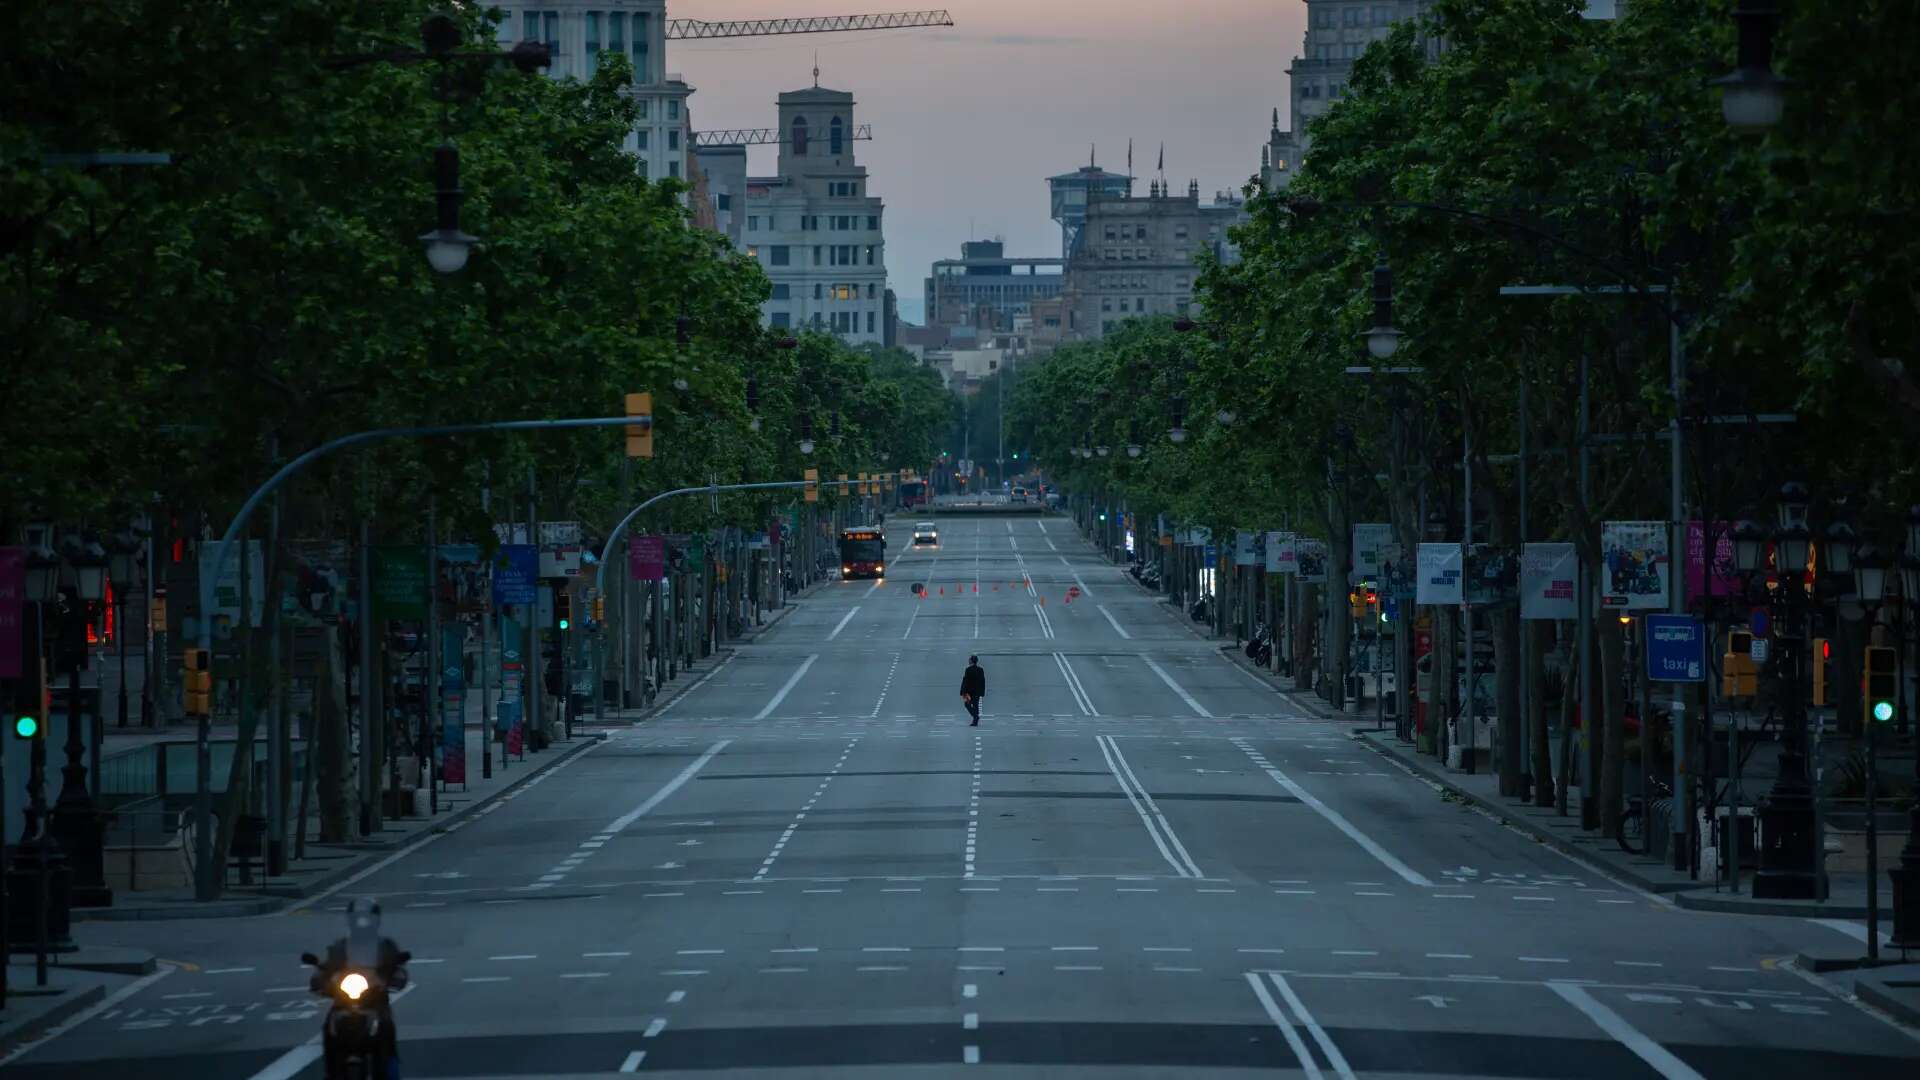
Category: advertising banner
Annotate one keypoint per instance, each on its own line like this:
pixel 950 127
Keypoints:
pixel 1310 556
pixel 1245 551
pixel 1635 565
pixel 1282 558
pixel 1724 571
pixel 1492 575
pixel 453 704
pixel 1396 574
pixel 463 577
pixel 647 557
pixel 1547 576
pixel 399 581
pixel 13 596
pixel 1370 543
pixel 1438 570
pixel 516 569
pixel 513 681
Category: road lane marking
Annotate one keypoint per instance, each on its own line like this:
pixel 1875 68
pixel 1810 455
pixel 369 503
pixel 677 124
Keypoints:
pixel 225 971
pixel 655 1027
pixel 1117 628
pixel 1173 838
pixel 586 974
pixel 676 997
pixel 844 620
pixel 1300 1052
pixel 1084 591
pixel 1040 612
pixel 1642 1047
pixel 1338 821
pixel 1177 688
pixel 970 1022
pixel 697 684
pixel 671 786
pixel 1074 685
pixel 969 990
pixel 793 681
pixel 632 1064
pixel 1133 800
pixel 970 1054
pixel 1334 1057
pixel 597 955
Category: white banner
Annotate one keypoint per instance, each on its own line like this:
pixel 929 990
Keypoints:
pixel 1245 551
pixel 1636 565
pixel 1280 553
pixel 1438 574
pixel 1547 576
pixel 1311 556
pixel 1369 546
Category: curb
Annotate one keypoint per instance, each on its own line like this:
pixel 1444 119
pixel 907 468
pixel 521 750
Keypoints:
pixel 71 1002
pixel 267 905
pixel 1706 901
pixel 1901 1007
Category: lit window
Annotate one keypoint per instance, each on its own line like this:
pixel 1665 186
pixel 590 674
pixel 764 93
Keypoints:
pixel 843 292
pixel 753 251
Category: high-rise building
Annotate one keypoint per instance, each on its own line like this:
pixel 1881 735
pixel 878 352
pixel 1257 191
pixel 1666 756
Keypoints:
pixel 988 289
pixel 1338 31
pixel 1071 192
pixel 814 226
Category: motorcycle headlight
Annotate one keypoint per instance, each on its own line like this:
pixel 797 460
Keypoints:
pixel 353 984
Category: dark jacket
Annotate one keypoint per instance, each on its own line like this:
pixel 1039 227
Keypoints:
pixel 974 681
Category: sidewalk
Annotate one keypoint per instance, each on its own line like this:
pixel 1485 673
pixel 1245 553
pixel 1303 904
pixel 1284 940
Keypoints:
pixel 76 981
pixel 326 865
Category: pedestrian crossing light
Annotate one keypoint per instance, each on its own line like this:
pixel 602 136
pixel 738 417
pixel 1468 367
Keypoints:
pixel 640 433
pixel 563 608
pixel 1822 670
pixel 1880 683
pixel 27 727
pixel 599 609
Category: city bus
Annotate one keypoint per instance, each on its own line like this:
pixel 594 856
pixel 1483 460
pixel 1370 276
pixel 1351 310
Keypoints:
pixel 913 493
pixel 863 552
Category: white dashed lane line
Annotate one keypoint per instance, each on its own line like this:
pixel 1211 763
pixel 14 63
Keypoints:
pixel 780 845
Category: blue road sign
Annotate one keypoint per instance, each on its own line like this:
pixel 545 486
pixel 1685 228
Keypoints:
pixel 1758 622
pixel 515 572
pixel 1676 649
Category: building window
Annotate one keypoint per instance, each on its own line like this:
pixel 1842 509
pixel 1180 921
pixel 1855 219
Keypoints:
pixel 809 221
pixel 673 138
pixel 817 320
pixel 673 169
pixel 1139 232
pixel 642 30
pixel 870 254
pixel 870 293
pixel 835 137
pixel 530 26
pixel 1106 303
pixel 643 107
pixel 551 21
pixel 843 292
pixel 643 176
pixel 753 251
pixel 753 223
pixel 1139 303
pixel 673 109
pixel 1179 232
pixel 779 255
pixel 1382 16
pixel 593 43
pixel 723 201
pixel 780 320
pixel 1323 17
pixel 782 291
pixel 640 137
pixel 1110 235
pixel 870 322
pixel 799 141
pixel 617 31
pixel 1356 15
pixel 816 254
pixel 873 222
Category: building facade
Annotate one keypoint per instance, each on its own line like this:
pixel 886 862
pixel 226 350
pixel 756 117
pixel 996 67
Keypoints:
pixel 725 169
pixel 1069 194
pixel 986 288
pixel 1338 31
pixel 814 226
pixel 1136 257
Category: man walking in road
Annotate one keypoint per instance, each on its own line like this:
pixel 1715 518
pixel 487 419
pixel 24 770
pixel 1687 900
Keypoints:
pixel 973 687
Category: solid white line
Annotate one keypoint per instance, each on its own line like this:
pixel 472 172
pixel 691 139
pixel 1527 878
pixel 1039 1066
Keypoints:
pixel 1337 821
pixel 1132 800
pixel 1300 1051
pixel 1046 628
pixel 1168 679
pixel 1334 1057
pixel 1116 622
pixel 1172 838
pixel 632 1064
pixel 1855 930
pixel 844 620
pixel 1079 692
pixel 787 689
pixel 116 998
pixel 1084 591
pixel 672 786
pixel 1624 1033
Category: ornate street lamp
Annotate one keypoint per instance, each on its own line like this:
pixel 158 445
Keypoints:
pixel 1752 97
pixel 1906 876
pixel 123 559
pixel 1870 576
pixel 1837 552
pixel 1225 416
pixel 1789 857
pixel 753 403
pixel 806 433
pixel 447 245
pixel 74 821
pixel 1103 450
pixel 1749 546
pixel 1178 430
pixel 1382 339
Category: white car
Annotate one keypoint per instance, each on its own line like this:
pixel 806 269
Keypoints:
pixel 925 534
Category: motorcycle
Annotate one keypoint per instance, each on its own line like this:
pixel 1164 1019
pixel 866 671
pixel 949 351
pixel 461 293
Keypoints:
pixel 357 1035
pixel 1260 646
pixel 1201 610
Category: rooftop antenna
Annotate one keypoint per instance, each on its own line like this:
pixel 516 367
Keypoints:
pixel 816 69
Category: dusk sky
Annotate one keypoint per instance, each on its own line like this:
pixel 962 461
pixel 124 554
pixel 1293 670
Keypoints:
pixel 968 122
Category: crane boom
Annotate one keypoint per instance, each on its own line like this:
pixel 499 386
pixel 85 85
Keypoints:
pixel 760 136
pixel 696 29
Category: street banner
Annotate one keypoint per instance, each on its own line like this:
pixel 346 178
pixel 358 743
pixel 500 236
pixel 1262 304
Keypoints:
pixel 1725 571
pixel 1396 575
pixel 516 568
pixel 559 562
pixel 1282 558
pixel 399 581
pixel 1438 567
pixel 1492 575
pixel 13 596
pixel 1370 541
pixel 453 704
pixel 513 679
pixel 1244 549
pixel 1635 565
pixel 647 557
pixel 1210 555
pixel 559 534
pixel 463 577
pixel 1311 558
pixel 1547 576
pixel 226 588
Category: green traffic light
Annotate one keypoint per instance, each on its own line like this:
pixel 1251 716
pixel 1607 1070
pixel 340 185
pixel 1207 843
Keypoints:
pixel 564 623
pixel 1883 711
pixel 26 727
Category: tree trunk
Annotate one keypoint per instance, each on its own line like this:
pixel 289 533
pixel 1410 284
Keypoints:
pixel 256 693
pixel 1440 692
pixel 332 763
pixel 1613 743
pixel 1569 695
pixel 1506 692
pixel 1339 614
pixel 1535 707
pixel 1304 633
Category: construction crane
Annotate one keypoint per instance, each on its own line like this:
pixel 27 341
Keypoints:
pixel 760 136
pixel 699 29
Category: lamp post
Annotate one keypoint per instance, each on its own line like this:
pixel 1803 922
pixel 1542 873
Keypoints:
pixel 1382 339
pixel 123 556
pixel 1752 97
pixel 1906 876
pixel 1789 859
pixel 75 822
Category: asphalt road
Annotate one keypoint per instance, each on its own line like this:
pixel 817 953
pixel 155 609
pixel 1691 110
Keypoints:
pixel 1143 862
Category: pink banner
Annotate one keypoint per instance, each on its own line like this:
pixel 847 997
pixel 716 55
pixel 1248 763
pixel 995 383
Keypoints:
pixel 647 557
pixel 13 596
pixel 1723 565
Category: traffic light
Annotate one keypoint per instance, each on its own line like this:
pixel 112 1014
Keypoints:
pixel 843 483
pixel 1880 683
pixel 1822 670
pixel 864 488
pixel 640 433
pixel 1016 455
pixel 30 689
pixel 599 609
pixel 1739 676
pixel 812 478
pixel 198 681
pixel 563 608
